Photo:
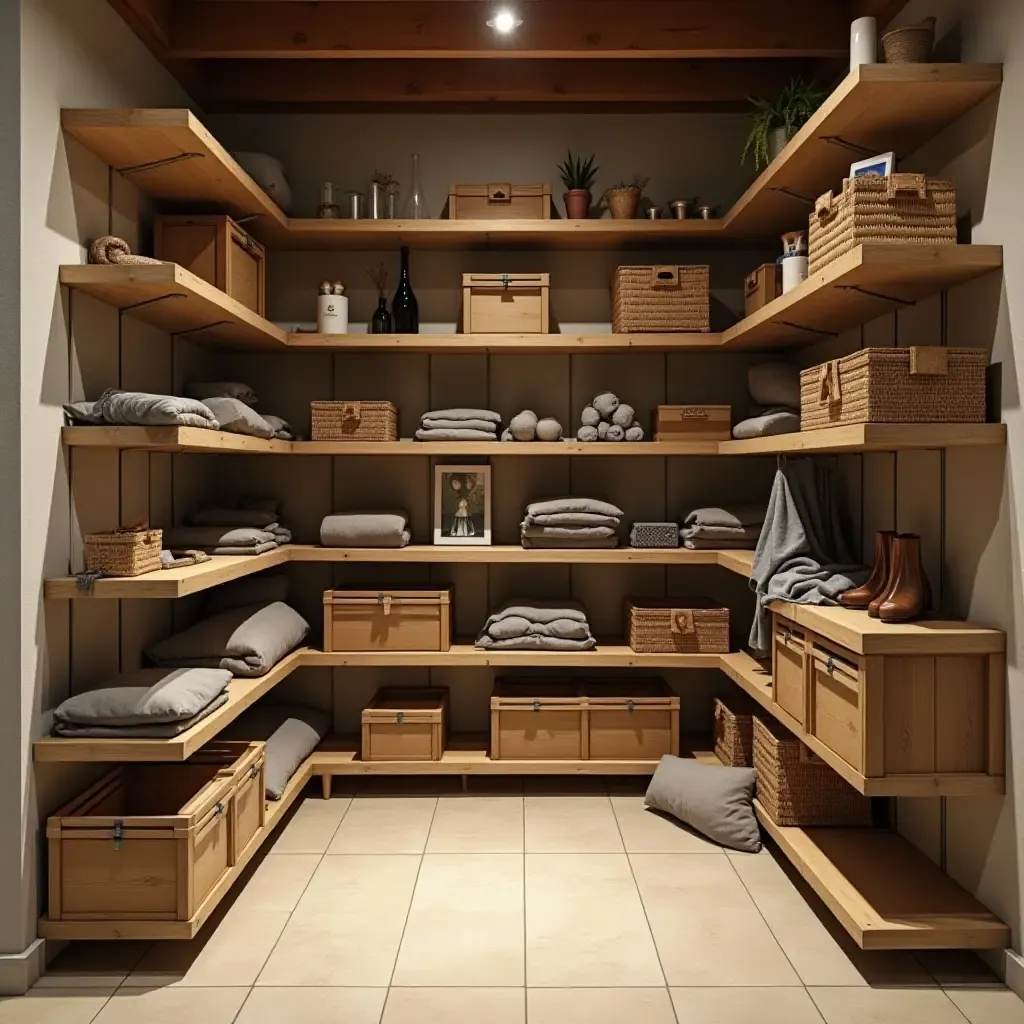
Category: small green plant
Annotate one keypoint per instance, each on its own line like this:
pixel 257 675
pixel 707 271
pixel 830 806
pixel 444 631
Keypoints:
pixel 578 173
pixel 792 110
pixel 637 183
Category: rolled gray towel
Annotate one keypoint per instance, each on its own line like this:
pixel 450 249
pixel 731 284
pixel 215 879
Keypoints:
pixel 635 433
pixel 590 417
pixel 365 530
pixel 587 434
pixel 606 403
pixel 602 430
pixel 615 433
pixel 624 416
pixel 549 429
pixel 524 426
pixel 506 435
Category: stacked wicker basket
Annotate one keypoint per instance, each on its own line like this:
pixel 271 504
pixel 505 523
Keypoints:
pixel 354 421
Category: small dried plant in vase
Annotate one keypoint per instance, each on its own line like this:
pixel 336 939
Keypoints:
pixel 381 321
pixel 385 186
pixel 624 197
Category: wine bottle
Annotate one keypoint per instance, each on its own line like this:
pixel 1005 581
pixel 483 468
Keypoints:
pixel 381 322
pixel 405 312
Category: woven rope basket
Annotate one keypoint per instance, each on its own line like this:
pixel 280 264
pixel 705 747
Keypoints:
pixel 656 300
pixel 911 44
pixel 354 421
pixel 734 730
pixel 902 209
pixel 895 385
pixel 677 625
pixel 795 787
pixel 124 552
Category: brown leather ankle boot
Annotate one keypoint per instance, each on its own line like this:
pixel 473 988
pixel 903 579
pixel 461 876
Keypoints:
pixel 907 597
pixel 876 584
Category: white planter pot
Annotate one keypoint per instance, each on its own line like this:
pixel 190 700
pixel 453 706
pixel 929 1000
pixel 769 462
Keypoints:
pixel 794 272
pixel 863 42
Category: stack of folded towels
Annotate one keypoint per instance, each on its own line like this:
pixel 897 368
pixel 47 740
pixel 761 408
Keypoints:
pixel 250 529
pixel 365 530
pixel 459 425
pixel 538 626
pixel 571 523
pixel 711 528
pixel 775 391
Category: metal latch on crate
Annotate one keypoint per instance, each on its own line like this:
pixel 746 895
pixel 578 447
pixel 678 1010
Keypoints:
pixel 630 707
pixel 118 833
pixel 536 705
pixel 385 601
pixel 399 717
pixel 254 771
pixel 830 665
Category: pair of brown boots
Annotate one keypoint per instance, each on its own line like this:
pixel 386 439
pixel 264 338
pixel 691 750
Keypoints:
pixel 897 589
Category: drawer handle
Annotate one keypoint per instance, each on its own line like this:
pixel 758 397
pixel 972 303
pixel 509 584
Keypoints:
pixel 830 665
pixel 118 833
pixel 536 705
pixel 220 810
pixel 400 717
pixel 254 771
pixel 629 707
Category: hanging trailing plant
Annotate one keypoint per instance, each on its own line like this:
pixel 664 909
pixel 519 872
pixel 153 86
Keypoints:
pixel 792 109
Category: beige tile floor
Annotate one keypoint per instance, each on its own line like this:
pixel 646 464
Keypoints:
pixel 541 902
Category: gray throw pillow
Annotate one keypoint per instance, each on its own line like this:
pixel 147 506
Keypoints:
pixel 715 801
pixel 150 696
pixel 236 417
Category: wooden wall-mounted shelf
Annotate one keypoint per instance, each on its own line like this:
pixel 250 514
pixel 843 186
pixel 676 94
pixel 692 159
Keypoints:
pixel 872 437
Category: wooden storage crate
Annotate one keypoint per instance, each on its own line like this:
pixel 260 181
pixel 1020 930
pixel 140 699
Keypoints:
pixel 538 719
pixel 693 423
pixel 901 209
pixel 388 620
pixel 661 299
pixel 354 421
pixel 218 250
pixel 505 303
pixel 631 719
pixel 683 625
pixel 789 672
pixel 764 285
pixel 928 384
pixel 246 768
pixel 129 552
pixel 406 724
pixel 500 201
pixel 149 842
pixel 734 730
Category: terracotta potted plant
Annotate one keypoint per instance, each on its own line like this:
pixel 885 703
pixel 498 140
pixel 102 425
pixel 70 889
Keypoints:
pixel 578 177
pixel 624 197
pixel 774 123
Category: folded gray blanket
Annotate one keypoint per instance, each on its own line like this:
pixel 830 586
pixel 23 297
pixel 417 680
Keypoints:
pixel 538 611
pixel 720 532
pixel 221 540
pixel 571 532
pixel 202 390
pixel 593 506
pixel 736 517
pixel 573 519
pixel 281 534
pixel 455 435
pixel 550 543
pixel 365 530
pixel 138 408
pixel 236 417
pixel 432 424
pixel 218 515
pixel 282 428
pixel 769 424
pixel 127 732
pixel 247 641
pixel 463 414
pixel 536 643
pixel 565 629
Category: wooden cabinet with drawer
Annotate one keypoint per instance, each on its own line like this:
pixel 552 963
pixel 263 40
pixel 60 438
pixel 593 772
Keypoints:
pixel 789 670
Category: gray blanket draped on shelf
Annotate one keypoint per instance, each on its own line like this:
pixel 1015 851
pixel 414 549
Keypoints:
pixel 802 555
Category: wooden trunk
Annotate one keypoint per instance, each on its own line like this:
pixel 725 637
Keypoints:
pixel 505 303
pixel 538 720
pixel 406 724
pixel 388 620
pixel 500 201
pixel 693 423
pixel 631 719
pixel 218 250
pixel 761 287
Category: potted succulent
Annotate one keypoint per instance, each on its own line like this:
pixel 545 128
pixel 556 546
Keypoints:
pixel 624 197
pixel 773 124
pixel 578 177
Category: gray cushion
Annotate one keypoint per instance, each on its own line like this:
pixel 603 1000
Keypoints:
pixel 236 417
pixel 149 696
pixel 554 506
pixel 103 730
pixel 260 589
pixel 771 424
pixel 715 801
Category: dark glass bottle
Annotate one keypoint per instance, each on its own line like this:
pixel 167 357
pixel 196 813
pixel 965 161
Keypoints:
pixel 381 322
pixel 405 312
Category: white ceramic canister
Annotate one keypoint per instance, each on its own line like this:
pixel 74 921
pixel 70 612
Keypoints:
pixel 794 272
pixel 863 42
pixel 332 314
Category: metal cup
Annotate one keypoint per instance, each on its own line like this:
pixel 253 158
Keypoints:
pixel 681 209
pixel 653 213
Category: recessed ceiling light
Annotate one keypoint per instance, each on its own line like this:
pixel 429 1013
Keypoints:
pixel 505 21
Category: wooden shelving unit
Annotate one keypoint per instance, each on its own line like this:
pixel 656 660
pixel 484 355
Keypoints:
pixel 872 437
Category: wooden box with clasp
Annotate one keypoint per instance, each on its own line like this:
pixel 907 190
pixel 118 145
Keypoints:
pixel 501 200
pixel 150 842
pixel 538 719
pixel 388 620
pixel 505 303
pixel 219 251
pixel 693 423
pixel 762 286
pixel 406 724
pixel 631 719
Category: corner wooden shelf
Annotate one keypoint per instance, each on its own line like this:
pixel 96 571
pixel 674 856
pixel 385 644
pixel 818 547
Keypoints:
pixel 172 439
pixel 884 891
pixel 871 437
pixel 535 344
pixel 177 301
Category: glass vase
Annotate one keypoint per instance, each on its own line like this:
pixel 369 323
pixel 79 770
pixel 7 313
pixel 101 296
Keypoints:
pixel 415 204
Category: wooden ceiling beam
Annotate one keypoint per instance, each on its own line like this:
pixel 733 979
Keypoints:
pixel 552 29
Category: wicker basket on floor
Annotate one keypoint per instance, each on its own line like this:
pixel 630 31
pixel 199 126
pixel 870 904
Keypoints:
pixel 354 421
pixel 129 552
pixel 901 209
pixel 657 300
pixel 734 730
pixel 795 787
pixel 895 385
pixel 678 625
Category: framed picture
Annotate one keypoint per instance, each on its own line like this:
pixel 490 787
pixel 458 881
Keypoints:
pixel 462 505
pixel 881 165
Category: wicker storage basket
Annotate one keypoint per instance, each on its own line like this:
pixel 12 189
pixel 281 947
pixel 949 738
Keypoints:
pixel 911 44
pixel 124 552
pixel 685 625
pixel 734 730
pixel 354 421
pixel 655 300
pixel 895 385
pixel 902 209
pixel 795 787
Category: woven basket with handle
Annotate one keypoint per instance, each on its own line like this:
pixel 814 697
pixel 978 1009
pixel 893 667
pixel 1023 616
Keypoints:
pixel 354 421
pixel 901 209
pixel 929 384
pixel 734 730
pixel 663 299
pixel 128 552
pixel 687 625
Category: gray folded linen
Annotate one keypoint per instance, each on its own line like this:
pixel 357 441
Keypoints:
pixel 571 532
pixel 247 641
pixel 455 435
pixel 139 408
pixel 139 732
pixel 365 530
pixel 536 643
pixel 721 532
pixel 217 515
pixel 566 629
pixel 236 417
pixel 204 389
pixel 573 519
pixel 720 544
pixel 282 428
pixel 553 506
pixel 769 424
pixel 735 517
pixel 221 540
pixel 549 543
pixel 281 534
pixel 463 414
pixel 537 611
pixel 432 424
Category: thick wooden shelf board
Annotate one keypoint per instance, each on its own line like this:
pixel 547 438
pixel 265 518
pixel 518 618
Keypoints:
pixel 542 344
pixel 177 301
pixel 557 449
pixel 872 437
pixel 172 439
pixel 885 892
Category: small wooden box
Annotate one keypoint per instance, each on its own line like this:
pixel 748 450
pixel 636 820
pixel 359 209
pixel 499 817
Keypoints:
pixel 500 200
pixel 149 842
pixel 631 719
pixel 761 287
pixel 246 770
pixel 789 661
pixel 406 724
pixel 693 423
pixel 388 620
pixel 505 303
pixel 538 719
pixel 218 250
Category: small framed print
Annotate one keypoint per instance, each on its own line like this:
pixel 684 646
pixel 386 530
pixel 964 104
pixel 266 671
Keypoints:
pixel 880 166
pixel 462 505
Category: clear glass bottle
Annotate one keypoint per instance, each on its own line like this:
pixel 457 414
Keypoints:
pixel 328 209
pixel 415 204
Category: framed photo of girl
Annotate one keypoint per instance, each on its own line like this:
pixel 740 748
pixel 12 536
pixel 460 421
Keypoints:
pixel 462 505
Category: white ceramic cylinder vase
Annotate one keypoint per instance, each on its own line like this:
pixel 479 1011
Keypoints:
pixel 332 314
pixel 863 42
pixel 794 272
